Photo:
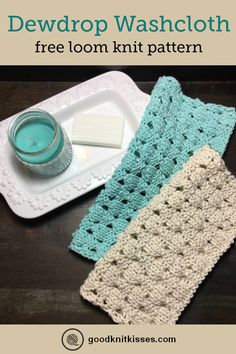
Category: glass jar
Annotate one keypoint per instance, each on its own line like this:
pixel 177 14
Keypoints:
pixel 40 143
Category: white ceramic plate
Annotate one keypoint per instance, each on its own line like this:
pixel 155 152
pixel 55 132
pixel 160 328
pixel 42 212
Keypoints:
pixel 29 195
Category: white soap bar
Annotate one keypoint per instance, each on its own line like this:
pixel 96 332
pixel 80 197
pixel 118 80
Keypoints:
pixel 99 130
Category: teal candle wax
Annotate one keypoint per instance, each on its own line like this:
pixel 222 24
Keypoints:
pixel 36 139
pixel 34 136
pixel 40 143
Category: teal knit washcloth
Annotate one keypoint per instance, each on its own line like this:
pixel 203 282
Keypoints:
pixel 174 126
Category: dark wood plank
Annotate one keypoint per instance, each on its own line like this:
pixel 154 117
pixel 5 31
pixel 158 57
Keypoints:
pixel 40 278
pixel 137 72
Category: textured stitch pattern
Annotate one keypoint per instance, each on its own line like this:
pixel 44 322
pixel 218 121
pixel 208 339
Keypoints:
pixel 173 128
pixel 152 272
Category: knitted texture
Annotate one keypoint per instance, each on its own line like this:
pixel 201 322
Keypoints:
pixel 152 272
pixel 173 128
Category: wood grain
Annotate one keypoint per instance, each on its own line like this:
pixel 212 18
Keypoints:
pixel 40 278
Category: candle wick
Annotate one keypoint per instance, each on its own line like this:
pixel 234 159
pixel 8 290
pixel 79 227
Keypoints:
pixel 33 141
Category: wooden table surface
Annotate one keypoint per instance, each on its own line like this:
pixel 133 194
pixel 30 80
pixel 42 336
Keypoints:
pixel 40 278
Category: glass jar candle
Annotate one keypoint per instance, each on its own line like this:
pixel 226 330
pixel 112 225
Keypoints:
pixel 40 143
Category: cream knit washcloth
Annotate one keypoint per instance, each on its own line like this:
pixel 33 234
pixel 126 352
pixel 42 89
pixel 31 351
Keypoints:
pixel 158 262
